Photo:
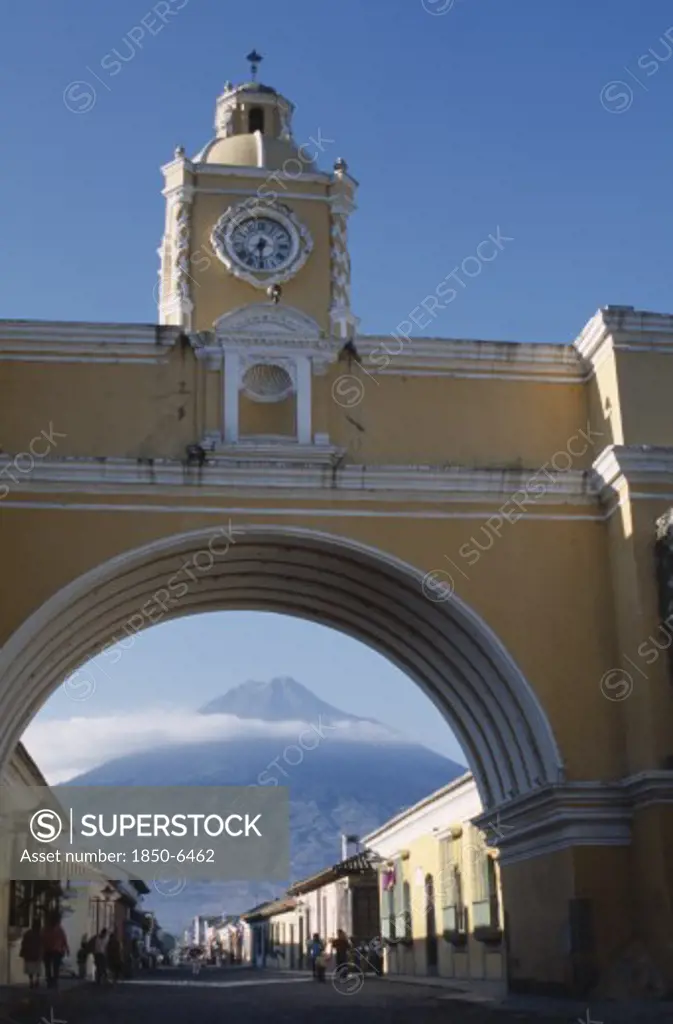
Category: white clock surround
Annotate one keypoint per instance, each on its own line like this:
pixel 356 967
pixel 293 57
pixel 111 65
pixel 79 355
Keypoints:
pixel 231 220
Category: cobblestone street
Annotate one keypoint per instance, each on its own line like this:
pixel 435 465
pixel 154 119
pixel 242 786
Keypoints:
pixel 172 997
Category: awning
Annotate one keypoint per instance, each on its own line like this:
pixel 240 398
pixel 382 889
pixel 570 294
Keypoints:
pixel 359 864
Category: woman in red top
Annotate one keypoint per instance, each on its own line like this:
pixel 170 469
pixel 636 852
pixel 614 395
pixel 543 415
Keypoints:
pixel 54 948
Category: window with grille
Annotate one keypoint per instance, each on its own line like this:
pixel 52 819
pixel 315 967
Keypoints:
pixel 388 915
pixel 396 920
pixel 451 885
pixel 485 911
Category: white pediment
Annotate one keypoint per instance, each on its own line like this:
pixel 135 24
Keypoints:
pixel 266 319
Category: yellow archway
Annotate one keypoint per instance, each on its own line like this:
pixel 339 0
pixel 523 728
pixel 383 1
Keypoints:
pixel 442 645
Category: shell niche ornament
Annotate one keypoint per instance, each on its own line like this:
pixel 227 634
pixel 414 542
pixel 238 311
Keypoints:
pixel 267 382
pixel 261 243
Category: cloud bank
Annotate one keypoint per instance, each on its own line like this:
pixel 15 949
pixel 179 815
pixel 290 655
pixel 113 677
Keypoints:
pixel 64 748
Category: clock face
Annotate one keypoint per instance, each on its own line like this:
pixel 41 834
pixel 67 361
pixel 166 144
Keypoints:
pixel 261 244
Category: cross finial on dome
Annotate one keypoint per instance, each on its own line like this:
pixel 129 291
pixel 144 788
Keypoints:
pixel 255 60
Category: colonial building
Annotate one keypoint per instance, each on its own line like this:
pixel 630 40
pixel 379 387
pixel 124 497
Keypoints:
pixel 86 899
pixel 441 900
pixel 494 517
pixel 342 897
pixel 271 934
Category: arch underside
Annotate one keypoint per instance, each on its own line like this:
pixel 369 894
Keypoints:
pixel 444 647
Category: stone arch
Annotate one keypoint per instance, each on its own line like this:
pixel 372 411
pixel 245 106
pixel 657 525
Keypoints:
pixel 444 646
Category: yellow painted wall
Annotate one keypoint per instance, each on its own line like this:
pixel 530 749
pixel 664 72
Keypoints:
pixel 453 421
pixel 278 418
pixel 645 385
pixel 215 291
pixel 156 410
pixel 473 962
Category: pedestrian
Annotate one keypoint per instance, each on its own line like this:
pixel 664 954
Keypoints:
pixel 100 956
pixel 54 948
pixel 82 956
pixel 31 953
pixel 195 955
pixel 320 965
pixel 114 958
pixel 315 949
pixel 340 947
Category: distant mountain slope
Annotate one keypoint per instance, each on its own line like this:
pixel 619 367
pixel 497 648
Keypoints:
pixel 282 699
pixel 343 785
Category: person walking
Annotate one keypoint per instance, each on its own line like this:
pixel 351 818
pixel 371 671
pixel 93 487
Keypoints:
pixel 114 958
pixel 82 956
pixel 315 949
pixel 54 948
pixel 31 953
pixel 340 947
pixel 100 956
pixel 321 965
pixel 195 957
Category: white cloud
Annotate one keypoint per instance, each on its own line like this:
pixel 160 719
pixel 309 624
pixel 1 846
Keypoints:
pixel 67 747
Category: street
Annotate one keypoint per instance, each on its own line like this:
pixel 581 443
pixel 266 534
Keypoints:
pixel 173 996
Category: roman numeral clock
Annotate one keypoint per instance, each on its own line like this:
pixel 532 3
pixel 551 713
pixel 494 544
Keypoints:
pixel 262 243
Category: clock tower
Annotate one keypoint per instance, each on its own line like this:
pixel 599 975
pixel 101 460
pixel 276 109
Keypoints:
pixel 252 222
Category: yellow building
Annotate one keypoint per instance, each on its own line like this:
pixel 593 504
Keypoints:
pixel 440 896
pixel 493 517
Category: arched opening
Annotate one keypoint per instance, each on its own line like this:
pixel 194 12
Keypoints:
pixel 256 120
pixel 443 646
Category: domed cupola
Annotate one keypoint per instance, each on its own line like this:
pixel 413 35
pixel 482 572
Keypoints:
pixel 253 125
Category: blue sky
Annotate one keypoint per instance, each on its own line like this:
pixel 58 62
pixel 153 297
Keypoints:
pixel 486 116
pixel 546 121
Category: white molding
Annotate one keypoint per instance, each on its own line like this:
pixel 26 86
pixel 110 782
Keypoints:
pixel 304 399
pixel 458 802
pixel 494 360
pixel 256 465
pixel 256 510
pixel 231 381
pixel 619 467
pixel 264 320
pixel 63 341
pixel 388 354
pixel 304 196
pixel 623 329
pixel 586 813
pixel 240 171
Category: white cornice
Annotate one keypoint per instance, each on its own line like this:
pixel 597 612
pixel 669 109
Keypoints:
pixel 238 171
pixel 320 197
pixel 456 803
pixel 62 341
pixel 569 814
pixel 291 468
pixel 471 358
pixel 623 329
pixel 619 466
